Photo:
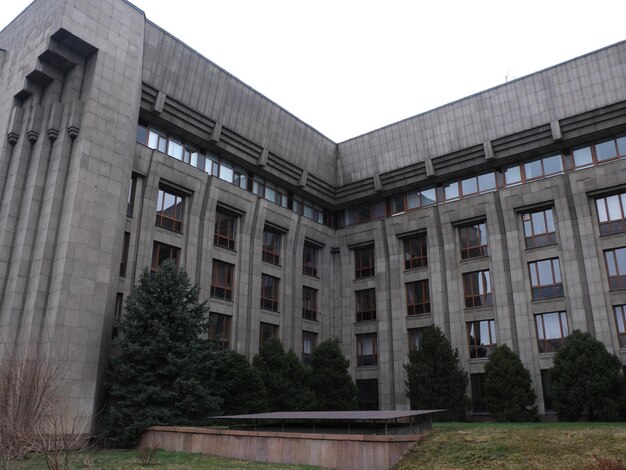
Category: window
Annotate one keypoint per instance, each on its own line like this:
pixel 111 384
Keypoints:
pixel 132 190
pixel 612 214
pixel 269 292
pixel 473 240
pixel 222 280
pixel 539 228
pixel 364 262
pixel 545 279
pixel 309 260
pixel 482 338
pixel 477 287
pixel 415 338
pixel 421 198
pixel 551 331
pixel 162 252
pixel 620 321
pixel 415 252
pixel 309 343
pixel 117 314
pixel 417 298
pixel 366 350
pixel 225 230
pixel 267 331
pixel 546 388
pixel 616 267
pixel 477 384
pixel 271 246
pixel 219 330
pixel 543 167
pixel 170 211
pixel 600 152
pixel 309 303
pixel 367 394
pixel 365 304
pixel 365 213
pixel 124 260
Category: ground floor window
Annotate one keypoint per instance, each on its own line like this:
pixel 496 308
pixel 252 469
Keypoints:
pixel 477 383
pixel 368 394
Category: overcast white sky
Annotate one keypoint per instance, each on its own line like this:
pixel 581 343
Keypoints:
pixel 350 66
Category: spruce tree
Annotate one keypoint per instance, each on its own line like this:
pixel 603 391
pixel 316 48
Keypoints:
pixel 508 387
pixel 330 378
pixel 160 375
pixel 434 380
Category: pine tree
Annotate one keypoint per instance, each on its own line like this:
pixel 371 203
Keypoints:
pixel 434 380
pixel 508 387
pixel 330 378
pixel 160 375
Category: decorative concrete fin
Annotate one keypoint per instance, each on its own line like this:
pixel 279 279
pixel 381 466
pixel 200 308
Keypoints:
pixel 34 121
pixel 378 186
pixel 75 117
pixel 430 169
pixel 555 127
pixel 53 125
pixel 15 124
pixel 159 103
pixel 303 178
pixel 488 150
pixel 216 133
pixel 263 157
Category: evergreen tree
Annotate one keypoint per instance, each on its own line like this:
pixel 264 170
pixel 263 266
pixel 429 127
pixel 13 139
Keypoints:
pixel 508 387
pixel 285 379
pixel 330 378
pixel 434 380
pixel 160 374
pixel 587 380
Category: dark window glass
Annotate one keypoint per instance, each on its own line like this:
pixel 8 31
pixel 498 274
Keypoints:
pixel 417 297
pixel 612 214
pixel 162 252
pixel 309 343
pixel 170 208
pixel 266 332
pixel 309 260
pixel 415 252
pixel 309 303
pixel 477 287
pixel 364 262
pixel 477 384
pixel 271 246
pixel 222 280
pixel 132 189
pixel 269 292
pixel 225 226
pixel 124 261
pixel 482 338
pixel 117 315
pixel 539 228
pixel 366 350
pixel 620 321
pixel 551 331
pixel 473 240
pixel 142 134
pixel 545 279
pixel 546 388
pixel 368 394
pixel 365 304
pixel 415 338
pixel 219 330
pixel 616 267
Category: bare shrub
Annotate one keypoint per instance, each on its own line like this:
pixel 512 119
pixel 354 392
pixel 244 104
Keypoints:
pixel 603 463
pixel 146 453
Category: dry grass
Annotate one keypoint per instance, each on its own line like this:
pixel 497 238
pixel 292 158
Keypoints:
pixel 517 446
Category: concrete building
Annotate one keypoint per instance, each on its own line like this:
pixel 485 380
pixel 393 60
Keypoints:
pixel 499 217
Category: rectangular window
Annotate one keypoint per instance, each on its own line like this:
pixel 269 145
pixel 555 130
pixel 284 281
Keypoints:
pixel 421 198
pixel 477 288
pixel 117 315
pixel 309 343
pixel 367 394
pixel 124 261
pixel 417 297
pixel 366 350
pixel 365 304
pixel 267 331
pixel 582 157
pixel 546 166
pixel 309 260
pixel 170 209
pixel 477 385
pixel 620 321
pixel 271 246
pixel 539 228
pixel 269 292
pixel 546 388
pixel 225 226
pixel 364 262
pixel 415 252
pixel 616 267
pixel 482 338
pixel 551 331
pixel 162 252
pixel 473 240
pixel 545 279
pixel 612 214
pixel 415 338
pixel 309 303
pixel 132 190
pixel 219 330
pixel 222 280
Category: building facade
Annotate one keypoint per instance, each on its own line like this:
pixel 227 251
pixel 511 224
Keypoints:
pixel 500 217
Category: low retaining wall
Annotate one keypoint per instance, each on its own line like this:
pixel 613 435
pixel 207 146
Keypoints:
pixel 341 451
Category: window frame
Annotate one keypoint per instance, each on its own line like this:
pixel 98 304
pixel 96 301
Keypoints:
pixel 309 313
pixel 617 281
pixel 272 241
pixel 175 222
pixel 272 283
pixel 310 268
pixel 157 260
pixel 473 251
pixel 546 291
pixel 420 291
pixel 611 226
pixel 312 336
pixel 536 239
pixel 415 336
pixel 365 298
pixel 481 350
pixel 220 338
pixel 222 291
pixel 362 271
pixel 229 238
pixel 265 328
pixel 547 345
pixel 484 280
pixel 619 312
pixel 363 360
pixel 415 252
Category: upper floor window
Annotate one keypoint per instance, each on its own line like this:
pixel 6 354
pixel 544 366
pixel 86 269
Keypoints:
pixel 366 350
pixel 470 186
pixel 365 304
pixel 477 287
pixel 535 169
pixel 364 262
pixel 124 260
pixel 170 209
pixel 616 267
pixel 417 297
pixel 269 292
pixel 415 338
pixel 551 331
pixel 271 245
pixel 539 228
pixel 481 338
pixel 267 331
pixel 600 152
pixel 415 252
pixel 225 229
pixel 309 343
pixel 412 200
pixel 620 321
pixel 365 213
pixel 612 213
pixel 222 280
pixel 545 279
pixel 473 240
pixel 309 260
pixel 132 190
pixel 309 303
pixel 219 330
pixel 162 252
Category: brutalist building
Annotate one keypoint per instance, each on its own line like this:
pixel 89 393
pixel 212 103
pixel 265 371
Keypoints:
pixel 500 217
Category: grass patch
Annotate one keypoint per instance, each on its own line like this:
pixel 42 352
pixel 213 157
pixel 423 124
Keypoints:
pixel 517 446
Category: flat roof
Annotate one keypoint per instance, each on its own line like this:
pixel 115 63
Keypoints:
pixel 332 415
